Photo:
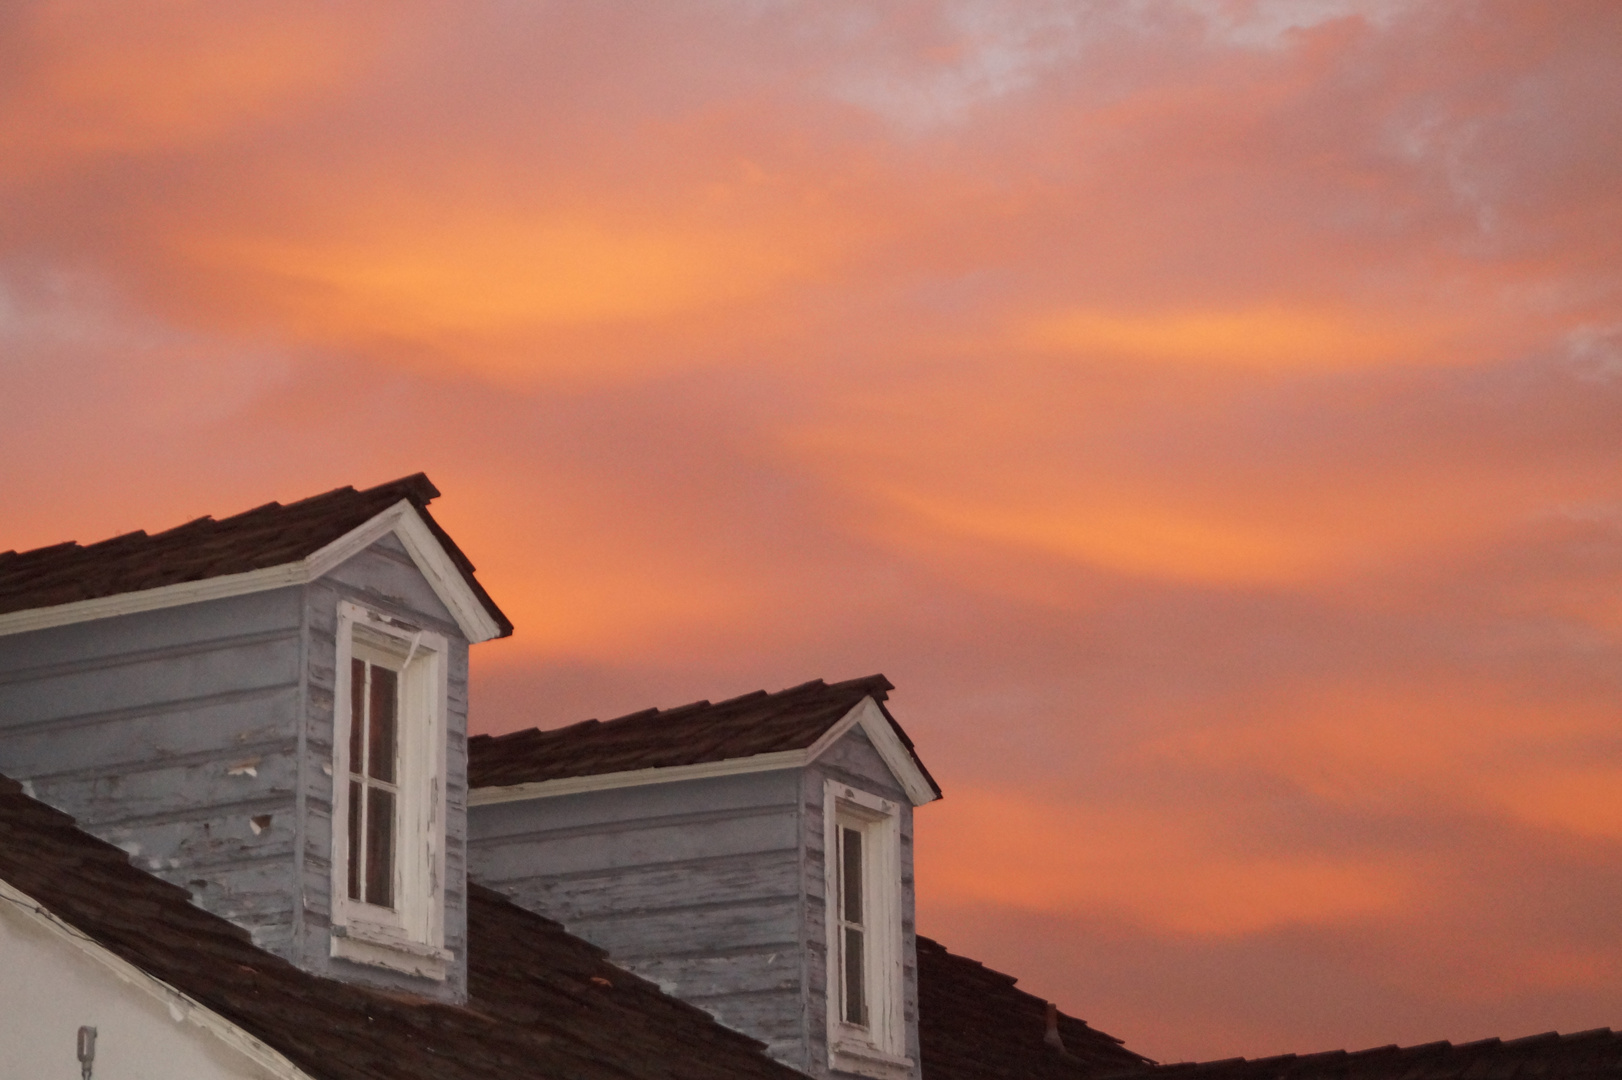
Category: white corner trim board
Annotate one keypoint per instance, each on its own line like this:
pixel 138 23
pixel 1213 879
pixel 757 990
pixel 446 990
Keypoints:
pixel 401 519
pixel 866 713
pixel 180 1005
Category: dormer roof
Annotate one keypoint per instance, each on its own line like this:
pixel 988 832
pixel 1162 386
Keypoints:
pixel 542 1003
pixel 754 732
pixel 268 547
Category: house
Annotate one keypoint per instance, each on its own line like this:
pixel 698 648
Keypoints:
pixel 243 833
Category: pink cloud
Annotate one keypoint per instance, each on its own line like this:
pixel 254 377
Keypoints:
pixel 1206 416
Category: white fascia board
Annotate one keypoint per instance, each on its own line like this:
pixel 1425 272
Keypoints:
pixel 866 713
pixel 902 765
pixel 181 1006
pixel 401 519
pixel 669 774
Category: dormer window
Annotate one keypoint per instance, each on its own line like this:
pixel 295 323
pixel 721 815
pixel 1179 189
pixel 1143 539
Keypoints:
pixel 852 927
pixel 389 793
pixel 374 793
pixel 866 1021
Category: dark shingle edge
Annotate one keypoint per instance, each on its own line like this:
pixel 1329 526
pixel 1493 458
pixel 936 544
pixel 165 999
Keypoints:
pixel 698 733
pixel 257 539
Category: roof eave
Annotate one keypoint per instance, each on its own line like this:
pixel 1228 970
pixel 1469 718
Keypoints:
pixel 880 728
pixel 436 558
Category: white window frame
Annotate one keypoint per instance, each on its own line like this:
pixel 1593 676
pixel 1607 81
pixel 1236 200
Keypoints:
pixel 878 1048
pixel 409 937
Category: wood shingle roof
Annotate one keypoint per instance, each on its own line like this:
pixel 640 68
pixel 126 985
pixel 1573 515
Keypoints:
pixel 695 734
pixel 975 1024
pixel 1584 1055
pixel 266 536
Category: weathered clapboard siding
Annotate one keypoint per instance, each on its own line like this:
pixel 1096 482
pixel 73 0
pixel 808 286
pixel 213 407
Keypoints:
pixel 694 885
pixel 568 896
pixel 173 734
pixel 200 739
pixel 711 888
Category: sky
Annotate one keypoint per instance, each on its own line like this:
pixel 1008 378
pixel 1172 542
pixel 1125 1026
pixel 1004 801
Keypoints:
pixel 1206 412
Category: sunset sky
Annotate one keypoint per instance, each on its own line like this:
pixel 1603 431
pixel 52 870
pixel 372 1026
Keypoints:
pixel 1208 413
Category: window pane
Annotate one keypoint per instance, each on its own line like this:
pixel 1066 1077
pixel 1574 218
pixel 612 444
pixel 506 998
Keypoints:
pixel 855 978
pixel 379 847
pixel 380 739
pixel 851 881
pixel 354 840
pixel 357 711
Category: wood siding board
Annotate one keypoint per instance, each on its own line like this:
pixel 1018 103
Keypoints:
pixel 594 809
pixel 164 791
pixel 741 877
pixel 249 721
pixel 703 977
pixel 624 846
pixel 237 755
pixel 715 919
pixel 184 851
pixel 307 774
pixel 157 679
pixel 213 620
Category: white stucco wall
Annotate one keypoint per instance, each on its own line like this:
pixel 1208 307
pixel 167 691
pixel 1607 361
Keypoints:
pixel 49 986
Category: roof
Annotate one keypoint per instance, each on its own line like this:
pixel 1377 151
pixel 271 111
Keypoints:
pixel 1578 1056
pixel 541 1002
pixel 696 734
pixel 267 536
pixel 974 1024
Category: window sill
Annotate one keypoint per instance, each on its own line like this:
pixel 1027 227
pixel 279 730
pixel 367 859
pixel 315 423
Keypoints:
pixel 864 1059
pixel 368 945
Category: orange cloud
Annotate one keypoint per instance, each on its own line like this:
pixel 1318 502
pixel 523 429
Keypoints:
pixel 1263 339
pixel 1209 424
pixel 499 277
pixel 141 77
pixel 1150 540
pixel 1163 871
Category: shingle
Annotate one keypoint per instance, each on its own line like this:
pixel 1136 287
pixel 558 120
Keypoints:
pixel 1587 1055
pixel 974 1024
pixel 266 536
pixel 695 734
pixel 542 1003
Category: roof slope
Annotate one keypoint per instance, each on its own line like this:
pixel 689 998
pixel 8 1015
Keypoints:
pixel 543 1003
pixel 757 723
pixel 973 1024
pixel 266 536
pixel 1581 1056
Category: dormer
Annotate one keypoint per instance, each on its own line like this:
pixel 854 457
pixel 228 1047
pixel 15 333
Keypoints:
pixel 270 711
pixel 752 856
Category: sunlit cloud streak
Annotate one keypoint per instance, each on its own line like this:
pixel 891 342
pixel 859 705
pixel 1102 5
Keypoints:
pixel 1205 412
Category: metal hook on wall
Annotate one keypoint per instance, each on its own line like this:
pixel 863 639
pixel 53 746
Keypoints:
pixel 87 1050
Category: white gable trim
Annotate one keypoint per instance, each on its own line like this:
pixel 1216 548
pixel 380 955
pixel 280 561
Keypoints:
pixel 866 713
pixel 401 519
pixel 902 765
pixel 181 1006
